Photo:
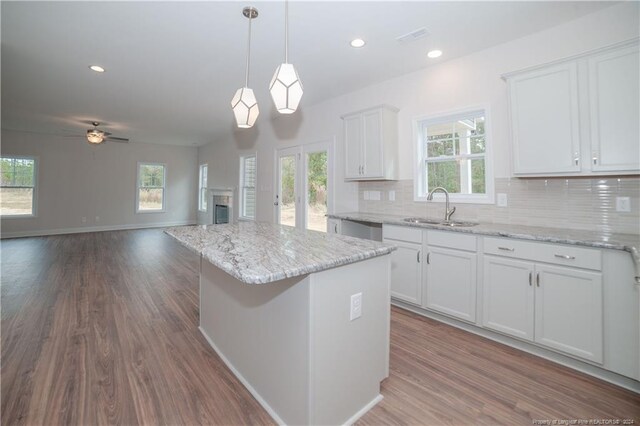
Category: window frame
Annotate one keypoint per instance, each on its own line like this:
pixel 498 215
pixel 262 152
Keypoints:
pixel 241 187
pixel 200 188
pixel 164 187
pixel 34 199
pixel 419 172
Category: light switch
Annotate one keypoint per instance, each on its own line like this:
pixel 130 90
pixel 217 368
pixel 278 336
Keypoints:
pixel 392 195
pixel 356 306
pixel 502 199
pixel 367 196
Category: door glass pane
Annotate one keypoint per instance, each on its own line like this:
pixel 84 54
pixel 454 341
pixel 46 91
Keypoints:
pixel 317 191
pixel 287 209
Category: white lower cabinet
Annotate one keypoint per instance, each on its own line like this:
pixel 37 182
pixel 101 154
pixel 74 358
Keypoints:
pixel 508 297
pixel 451 282
pixel 568 311
pixel 406 263
pixel 557 306
pixel 334 226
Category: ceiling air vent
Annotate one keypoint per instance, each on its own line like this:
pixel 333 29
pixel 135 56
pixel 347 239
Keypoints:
pixel 413 35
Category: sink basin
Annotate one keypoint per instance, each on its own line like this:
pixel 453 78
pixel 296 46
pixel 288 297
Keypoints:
pixel 421 220
pixel 452 224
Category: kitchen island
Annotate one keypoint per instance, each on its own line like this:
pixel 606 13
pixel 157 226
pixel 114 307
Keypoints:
pixel 279 306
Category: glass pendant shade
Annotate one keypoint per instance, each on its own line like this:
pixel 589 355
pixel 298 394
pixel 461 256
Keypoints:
pixel 286 89
pixel 95 136
pixel 245 108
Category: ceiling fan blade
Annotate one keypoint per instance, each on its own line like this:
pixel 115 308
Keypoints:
pixel 114 139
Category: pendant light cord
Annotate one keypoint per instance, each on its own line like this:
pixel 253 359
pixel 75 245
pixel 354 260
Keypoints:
pixel 286 31
pixel 246 76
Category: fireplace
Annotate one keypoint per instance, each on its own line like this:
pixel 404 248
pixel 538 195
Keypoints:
pixel 221 200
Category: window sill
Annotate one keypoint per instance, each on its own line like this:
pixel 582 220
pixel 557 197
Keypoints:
pixel 246 219
pixel 150 211
pixel 18 216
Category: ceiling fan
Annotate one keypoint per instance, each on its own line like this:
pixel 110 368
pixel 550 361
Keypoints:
pixel 96 136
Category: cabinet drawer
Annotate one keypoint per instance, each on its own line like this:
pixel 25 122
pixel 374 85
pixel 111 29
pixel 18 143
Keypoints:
pixel 559 254
pixel 452 240
pixel 402 233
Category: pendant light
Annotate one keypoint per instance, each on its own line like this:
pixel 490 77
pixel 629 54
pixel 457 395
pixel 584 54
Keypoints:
pixel 244 103
pixel 286 87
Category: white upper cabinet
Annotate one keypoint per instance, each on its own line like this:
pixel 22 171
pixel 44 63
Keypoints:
pixel 371 144
pixel 614 110
pixel 579 116
pixel 545 120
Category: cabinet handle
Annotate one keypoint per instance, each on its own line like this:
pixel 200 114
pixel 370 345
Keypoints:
pixel 538 279
pixel 335 228
pixel 530 279
pixel 576 158
pixel 595 159
pixel 506 249
pixel 429 258
pixel 418 256
pixel 565 256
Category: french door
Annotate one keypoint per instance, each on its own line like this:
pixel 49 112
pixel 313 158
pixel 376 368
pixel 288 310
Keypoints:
pixel 304 182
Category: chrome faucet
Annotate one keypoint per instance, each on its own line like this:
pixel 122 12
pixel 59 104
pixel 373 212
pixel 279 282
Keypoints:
pixel 447 212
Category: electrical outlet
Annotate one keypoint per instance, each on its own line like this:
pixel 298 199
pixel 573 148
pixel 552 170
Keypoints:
pixel 374 195
pixel 392 195
pixel 502 199
pixel 623 204
pixel 84 219
pixel 97 219
pixel 356 306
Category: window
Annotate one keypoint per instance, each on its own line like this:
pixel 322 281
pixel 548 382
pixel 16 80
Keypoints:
pixel 202 194
pixel 151 187
pixel 452 153
pixel 248 187
pixel 18 186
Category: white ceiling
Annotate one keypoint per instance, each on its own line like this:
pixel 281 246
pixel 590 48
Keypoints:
pixel 172 67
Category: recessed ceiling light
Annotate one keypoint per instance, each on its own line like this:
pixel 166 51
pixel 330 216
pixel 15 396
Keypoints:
pixel 434 54
pixel 96 68
pixel 357 42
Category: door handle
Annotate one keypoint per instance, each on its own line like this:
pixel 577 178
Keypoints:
pixel 275 204
pixel 418 256
pixel 530 279
pixel 335 228
pixel 429 258
pixel 538 279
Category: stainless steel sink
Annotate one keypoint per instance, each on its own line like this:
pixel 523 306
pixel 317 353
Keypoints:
pixel 421 220
pixel 452 224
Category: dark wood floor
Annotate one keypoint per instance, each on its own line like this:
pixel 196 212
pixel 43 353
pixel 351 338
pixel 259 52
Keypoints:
pixel 101 328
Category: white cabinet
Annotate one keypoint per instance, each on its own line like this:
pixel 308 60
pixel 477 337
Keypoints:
pixel 579 116
pixel 614 84
pixel 545 121
pixel 371 144
pixel 450 285
pixel 334 226
pixel 406 263
pixel 557 306
pixel 508 297
pixel 569 311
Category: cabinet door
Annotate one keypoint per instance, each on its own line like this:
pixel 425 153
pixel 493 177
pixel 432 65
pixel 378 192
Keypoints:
pixel 406 272
pixel 614 84
pixel 569 311
pixel 508 296
pixel 333 226
pixel 372 144
pixel 451 283
pixel 353 146
pixel 545 120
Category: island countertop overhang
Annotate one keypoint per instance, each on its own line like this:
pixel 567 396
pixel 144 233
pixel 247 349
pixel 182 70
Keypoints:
pixel 260 253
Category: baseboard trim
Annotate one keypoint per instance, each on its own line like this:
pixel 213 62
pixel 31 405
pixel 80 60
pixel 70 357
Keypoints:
pixel 583 367
pixel 364 410
pixel 62 231
pixel 244 381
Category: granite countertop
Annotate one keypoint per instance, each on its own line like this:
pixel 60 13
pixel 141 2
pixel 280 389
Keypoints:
pixel 598 239
pixel 259 253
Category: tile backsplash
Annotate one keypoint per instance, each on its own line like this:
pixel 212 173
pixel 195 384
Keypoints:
pixel 576 203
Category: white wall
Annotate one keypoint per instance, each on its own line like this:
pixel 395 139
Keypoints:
pixel 78 180
pixel 470 80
